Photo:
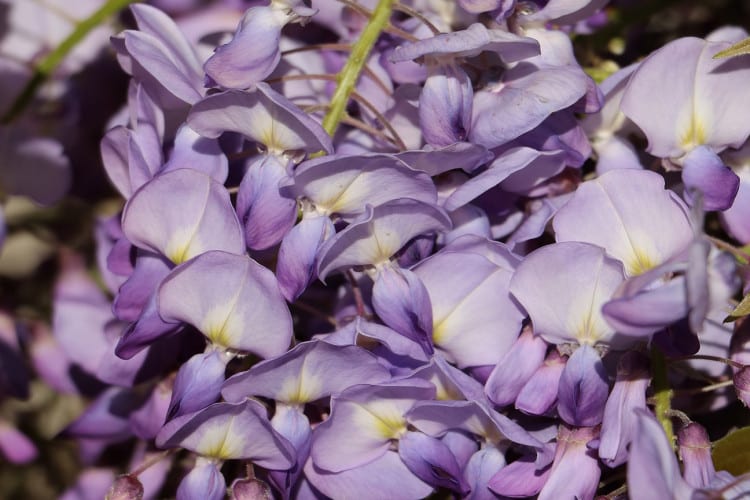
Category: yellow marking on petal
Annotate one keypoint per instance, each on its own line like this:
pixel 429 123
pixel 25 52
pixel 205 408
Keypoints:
pixel 219 442
pixel 178 248
pixel 438 332
pixel 216 325
pixel 387 419
pixel 695 135
pixel 300 390
pixel 640 263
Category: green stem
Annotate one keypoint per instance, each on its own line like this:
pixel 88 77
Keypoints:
pixel 349 75
pixel 48 65
pixel 662 393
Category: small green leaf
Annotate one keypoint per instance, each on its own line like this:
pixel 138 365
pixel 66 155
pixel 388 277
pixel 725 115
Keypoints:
pixel 732 452
pixel 742 309
pixel 735 50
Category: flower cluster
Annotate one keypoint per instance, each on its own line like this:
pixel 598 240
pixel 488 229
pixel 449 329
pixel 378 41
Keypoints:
pixel 383 250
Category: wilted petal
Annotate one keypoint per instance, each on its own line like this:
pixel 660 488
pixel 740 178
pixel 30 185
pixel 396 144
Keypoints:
pixel 695 452
pixel 232 300
pixel 198 218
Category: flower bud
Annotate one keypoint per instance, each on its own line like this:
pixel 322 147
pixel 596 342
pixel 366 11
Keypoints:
pixel 741 381
pixel 695 451
pixel 250 489
pixel 125 487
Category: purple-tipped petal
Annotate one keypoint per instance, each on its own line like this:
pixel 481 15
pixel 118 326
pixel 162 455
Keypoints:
pixel 266 214
pixel 445 106
pixel 431 461
pixel 295 266
pixel 515 368
pixel 232 300
pixel 200 218
pixel 705 172
pixel 198 383
pixel 695 452
pixel 203 482
pixel 539 394
pixel 583 388
pixel 253 52
pixel 653 471
pixel 521 478
pixel 575 472
pixel 401 302
pixel 619 421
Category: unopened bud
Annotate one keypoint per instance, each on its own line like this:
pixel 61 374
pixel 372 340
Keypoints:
pixel 695 451
pixel 250 489
pixel 742 384
pixel 125 487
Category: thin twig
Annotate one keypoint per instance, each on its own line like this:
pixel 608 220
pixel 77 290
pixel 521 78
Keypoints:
pixel 382 119
pixel 416 15
pixel 389 28
pixel 342 47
